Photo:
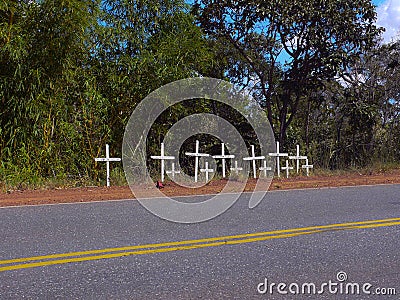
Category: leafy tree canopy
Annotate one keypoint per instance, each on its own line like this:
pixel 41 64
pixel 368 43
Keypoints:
pixel 316 39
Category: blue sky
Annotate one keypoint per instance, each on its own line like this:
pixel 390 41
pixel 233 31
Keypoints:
pixel 389 17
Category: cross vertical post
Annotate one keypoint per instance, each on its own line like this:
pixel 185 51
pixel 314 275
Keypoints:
pixel 223 157
pixel 277 154
pixel 162 157
pixel 236 168
pixel 307 167
pixel 253 158
pixel 107 159
pixel 206 170
pixel 265 168
pixel 196 156
pixel 297 157
pixel 287 168
pixel 108 165
pixel 173 172
pixel 196 163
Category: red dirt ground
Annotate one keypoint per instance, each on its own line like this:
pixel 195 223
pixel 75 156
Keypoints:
pixel 34 197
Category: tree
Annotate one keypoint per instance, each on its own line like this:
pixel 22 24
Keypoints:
pixel 356 120
pixel 72 72
pixel 143 45
pixel 43 49
pixel 287 47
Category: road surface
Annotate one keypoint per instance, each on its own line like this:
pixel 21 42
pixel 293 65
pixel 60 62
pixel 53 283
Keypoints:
pixel 118 250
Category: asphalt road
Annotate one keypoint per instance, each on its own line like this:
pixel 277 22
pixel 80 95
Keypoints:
pixel 289 238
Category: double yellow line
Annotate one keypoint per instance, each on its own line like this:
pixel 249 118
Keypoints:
pixel 73 257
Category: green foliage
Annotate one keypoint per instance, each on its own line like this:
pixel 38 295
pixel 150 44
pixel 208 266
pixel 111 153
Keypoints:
pixel 317 39
pixel 41 60
pixel 71 73
pixel 357 119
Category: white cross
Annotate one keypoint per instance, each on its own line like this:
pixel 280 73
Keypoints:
pixel 107 159
pixel 173 172
pixel 253 157
pixel 162 157
pixel 297 157
pixel 277 155
pixel 236 168
pixel 308 167
pixel 206 170
pixel 223 156
pixel 196 155
pixel 287 168
pixel 265 168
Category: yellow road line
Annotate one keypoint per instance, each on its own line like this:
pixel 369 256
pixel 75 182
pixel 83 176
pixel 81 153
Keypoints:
pixel 192 244
pixel 119 249
pixel 150 251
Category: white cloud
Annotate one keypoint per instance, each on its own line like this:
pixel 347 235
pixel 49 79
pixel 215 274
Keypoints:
pixel 389 17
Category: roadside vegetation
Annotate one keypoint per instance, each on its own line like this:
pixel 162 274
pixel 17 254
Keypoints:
pixel 72 72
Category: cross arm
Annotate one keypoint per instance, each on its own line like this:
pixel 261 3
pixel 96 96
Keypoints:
pixel 162 157
pixel 254 157
pixel 197 154
pixel 107 159
pixel 297 157
pixel 223 156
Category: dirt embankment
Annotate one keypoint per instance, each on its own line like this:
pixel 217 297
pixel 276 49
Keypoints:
pixel 34 197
